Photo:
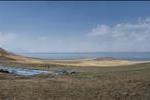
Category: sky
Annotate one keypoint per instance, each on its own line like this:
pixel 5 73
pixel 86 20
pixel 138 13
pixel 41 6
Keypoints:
pixel 75 26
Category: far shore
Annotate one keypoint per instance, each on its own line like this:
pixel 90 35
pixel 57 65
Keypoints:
pixel 8 57
pixel 86 62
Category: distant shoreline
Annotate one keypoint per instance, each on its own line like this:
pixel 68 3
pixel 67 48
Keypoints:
pixel 84 62
pixel 133 56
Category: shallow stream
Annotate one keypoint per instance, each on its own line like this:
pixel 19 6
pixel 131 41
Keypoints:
pixel 31 72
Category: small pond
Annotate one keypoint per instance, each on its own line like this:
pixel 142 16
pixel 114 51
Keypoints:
pixel 31 72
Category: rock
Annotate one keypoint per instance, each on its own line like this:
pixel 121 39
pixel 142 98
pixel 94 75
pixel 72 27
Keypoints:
pixel 4 71
pixel 64 72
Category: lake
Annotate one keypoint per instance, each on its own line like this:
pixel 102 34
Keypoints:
pixel 119 55
pixel 31 72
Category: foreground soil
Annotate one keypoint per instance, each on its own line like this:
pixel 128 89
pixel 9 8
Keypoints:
pixel 130 82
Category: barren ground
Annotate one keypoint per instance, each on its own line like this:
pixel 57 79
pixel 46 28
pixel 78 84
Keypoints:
pixel 130 82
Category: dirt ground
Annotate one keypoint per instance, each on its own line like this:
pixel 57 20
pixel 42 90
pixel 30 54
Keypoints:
pixel 130 82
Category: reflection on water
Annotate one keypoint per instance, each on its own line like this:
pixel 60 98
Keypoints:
pixel 31 72
pixel 23 71
pixel 119 55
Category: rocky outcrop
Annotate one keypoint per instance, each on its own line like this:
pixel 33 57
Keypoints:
pixel 4 54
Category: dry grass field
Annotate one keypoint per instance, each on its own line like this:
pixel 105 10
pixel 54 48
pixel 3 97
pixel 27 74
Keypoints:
pixel 95 79
pixel 105 83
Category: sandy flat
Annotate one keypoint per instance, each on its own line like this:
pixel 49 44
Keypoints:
pixel 80 62
pixel 98 62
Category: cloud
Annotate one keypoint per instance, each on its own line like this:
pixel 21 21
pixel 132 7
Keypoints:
pixel 129 36
pixel 7 38
pixel 100 30
pixel 42 43
pixel 139 31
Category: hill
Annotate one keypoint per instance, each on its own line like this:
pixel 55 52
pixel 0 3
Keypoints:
pixel 6 56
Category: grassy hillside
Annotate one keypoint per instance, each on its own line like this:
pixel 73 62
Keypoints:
pixel 107 83
pixel 120 80
pixel 8 57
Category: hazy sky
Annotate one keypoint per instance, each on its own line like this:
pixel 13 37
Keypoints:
pixel 75 26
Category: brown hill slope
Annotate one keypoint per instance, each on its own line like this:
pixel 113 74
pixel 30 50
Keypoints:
pixel 6 56
pixel 11 57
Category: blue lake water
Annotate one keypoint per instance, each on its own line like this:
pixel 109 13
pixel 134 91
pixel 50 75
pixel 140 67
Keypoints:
pixel 23 71
pixel 30 72
pixel 119 55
